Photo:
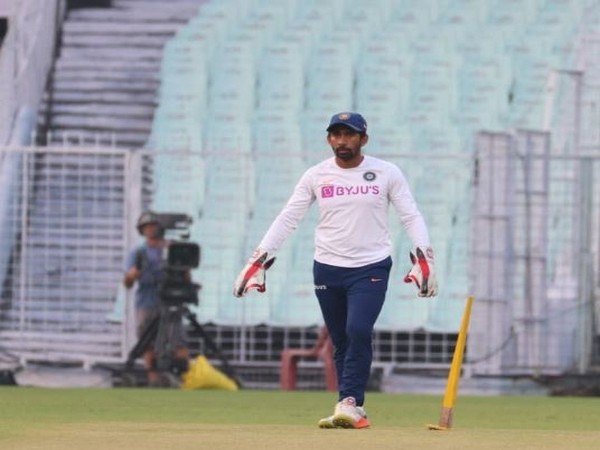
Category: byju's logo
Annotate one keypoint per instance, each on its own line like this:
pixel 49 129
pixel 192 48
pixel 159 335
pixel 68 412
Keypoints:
pixel 327 191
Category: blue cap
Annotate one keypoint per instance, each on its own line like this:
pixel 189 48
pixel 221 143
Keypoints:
pixel 351 120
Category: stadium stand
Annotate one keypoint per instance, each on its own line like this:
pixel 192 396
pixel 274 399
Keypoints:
pixel 428 75
pixel 228 100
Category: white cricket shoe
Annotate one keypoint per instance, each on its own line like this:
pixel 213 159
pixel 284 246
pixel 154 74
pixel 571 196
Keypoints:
pixel 327 422
pixel 348 415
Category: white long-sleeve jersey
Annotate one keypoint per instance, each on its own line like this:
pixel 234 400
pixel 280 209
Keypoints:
pixel 352 230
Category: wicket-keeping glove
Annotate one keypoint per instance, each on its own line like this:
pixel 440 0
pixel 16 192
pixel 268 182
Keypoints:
pixel 253 275
pixel 423 272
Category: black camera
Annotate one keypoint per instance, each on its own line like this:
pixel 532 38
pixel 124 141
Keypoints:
pixel 181 254
pixel 181 257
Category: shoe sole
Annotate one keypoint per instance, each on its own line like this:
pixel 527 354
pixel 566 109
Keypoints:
pixel 326 425
pixel 342 421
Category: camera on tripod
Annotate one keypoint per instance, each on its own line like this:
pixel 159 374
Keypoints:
pixel 181 256
pixel 165 333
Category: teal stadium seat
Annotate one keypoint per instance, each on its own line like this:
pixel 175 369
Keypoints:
pixel 177 127
pixel 232 81
pixel 276 132
pixel 329 83
pixel 281 78
pixel 383 85
pixel 465 13
pixel 314 144
pixel 179 182
pixel 227 133
pixel 417 14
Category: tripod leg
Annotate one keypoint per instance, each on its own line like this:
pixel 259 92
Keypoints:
pixel 168 337
pixel 210 344
pixel 146 340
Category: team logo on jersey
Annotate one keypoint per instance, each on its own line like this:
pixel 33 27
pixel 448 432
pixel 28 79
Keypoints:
pixel 369 176
pixel 327 191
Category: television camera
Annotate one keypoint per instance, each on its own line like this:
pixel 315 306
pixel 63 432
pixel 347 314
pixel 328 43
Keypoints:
pixel 181 256
pixel 176 291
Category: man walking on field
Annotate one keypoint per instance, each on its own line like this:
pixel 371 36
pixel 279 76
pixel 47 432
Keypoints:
pixel 352 252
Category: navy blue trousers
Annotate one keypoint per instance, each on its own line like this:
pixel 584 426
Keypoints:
pixel 351 300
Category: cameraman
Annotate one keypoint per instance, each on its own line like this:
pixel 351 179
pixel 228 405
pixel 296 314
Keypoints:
pixel 144 264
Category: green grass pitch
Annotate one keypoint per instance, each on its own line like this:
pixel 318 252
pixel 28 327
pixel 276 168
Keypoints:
pixel 90 419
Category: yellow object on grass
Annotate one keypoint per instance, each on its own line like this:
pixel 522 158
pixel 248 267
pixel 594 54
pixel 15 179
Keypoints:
pixel 203 375
pixel 446 416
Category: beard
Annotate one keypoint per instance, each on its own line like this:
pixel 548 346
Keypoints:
pixel 345 153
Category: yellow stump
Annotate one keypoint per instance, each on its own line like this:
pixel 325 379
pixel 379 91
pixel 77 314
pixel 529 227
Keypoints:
pixel 445 422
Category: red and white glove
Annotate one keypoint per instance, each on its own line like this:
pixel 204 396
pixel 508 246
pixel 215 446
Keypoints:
pixel 253 275
pixel 423 272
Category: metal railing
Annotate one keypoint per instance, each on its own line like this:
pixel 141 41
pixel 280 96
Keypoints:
pixel 65 234
pixel 535 237
pixel 532 235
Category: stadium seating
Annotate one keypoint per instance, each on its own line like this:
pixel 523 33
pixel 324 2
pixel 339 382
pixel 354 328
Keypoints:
pixel 250 89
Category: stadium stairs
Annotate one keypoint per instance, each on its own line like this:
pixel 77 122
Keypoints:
pixel 103 86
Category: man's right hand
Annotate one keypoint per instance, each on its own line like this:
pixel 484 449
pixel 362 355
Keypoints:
pixel 131 276
pixel 423 272
pixel 253 274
